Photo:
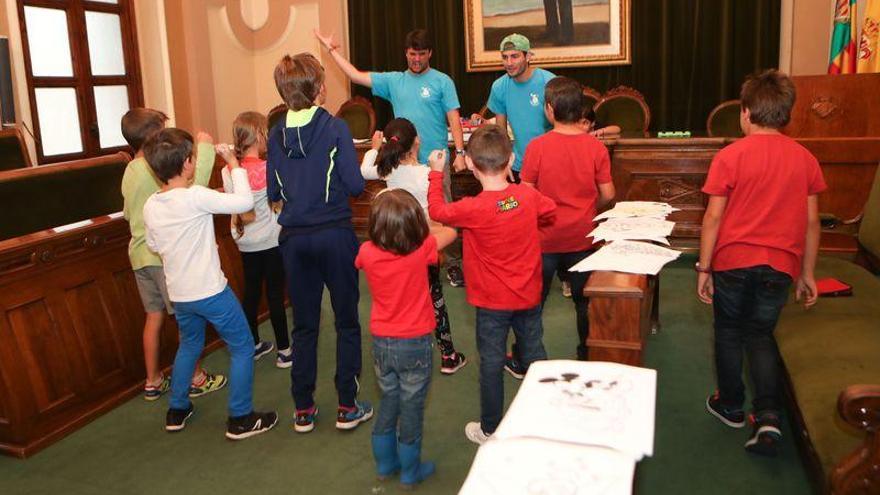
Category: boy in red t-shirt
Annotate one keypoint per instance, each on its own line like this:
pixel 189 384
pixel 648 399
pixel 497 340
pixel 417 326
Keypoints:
pixel 502 262
pixel 573 169
pixel 760 233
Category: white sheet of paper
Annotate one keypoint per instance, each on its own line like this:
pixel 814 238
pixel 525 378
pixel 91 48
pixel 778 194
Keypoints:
pixel 586 403
pixel 531 466
pixel 624 209
pixel 627 257
pixel 633 228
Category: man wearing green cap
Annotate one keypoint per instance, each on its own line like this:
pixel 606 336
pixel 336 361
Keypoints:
pixel 518 96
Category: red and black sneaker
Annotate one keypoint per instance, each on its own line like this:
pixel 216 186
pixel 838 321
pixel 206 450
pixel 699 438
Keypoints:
pixel 734 418
pixel 766 435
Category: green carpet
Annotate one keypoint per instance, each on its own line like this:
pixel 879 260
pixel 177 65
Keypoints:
pixel 127 451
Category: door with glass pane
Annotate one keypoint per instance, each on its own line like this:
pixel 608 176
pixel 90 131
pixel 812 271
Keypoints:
pixel 82 72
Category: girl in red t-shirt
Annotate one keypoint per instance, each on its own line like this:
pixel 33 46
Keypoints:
pixel 400 247
pixel 396 162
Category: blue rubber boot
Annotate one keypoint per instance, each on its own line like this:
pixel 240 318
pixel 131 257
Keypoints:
pixel 412 469
pixel 385 453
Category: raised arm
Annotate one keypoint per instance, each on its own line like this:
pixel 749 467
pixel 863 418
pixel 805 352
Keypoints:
pixel 237 200
pixel 357 76
pixel 368 165
pixel 204 158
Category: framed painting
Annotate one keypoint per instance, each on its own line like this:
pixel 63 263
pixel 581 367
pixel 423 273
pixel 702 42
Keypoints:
pixel 563 33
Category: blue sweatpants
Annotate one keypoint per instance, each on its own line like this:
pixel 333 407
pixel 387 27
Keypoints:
pixel 311 261
pixel 224 312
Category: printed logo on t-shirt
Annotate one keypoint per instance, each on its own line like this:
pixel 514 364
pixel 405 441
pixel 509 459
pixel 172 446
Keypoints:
pixel 507 204
pixel 533 99
pixel 425 93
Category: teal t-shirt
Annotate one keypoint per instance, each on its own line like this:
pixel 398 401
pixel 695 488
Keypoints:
pixel 423 99
pixel 523 104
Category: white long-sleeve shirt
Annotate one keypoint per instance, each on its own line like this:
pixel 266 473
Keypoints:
pixel 262 233
pixel 412 178
pixel 180 228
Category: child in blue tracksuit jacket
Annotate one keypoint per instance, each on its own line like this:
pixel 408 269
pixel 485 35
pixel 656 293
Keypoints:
pixel 313 168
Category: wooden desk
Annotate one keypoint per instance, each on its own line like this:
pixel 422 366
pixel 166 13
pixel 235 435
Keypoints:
pixel 674 170
pixel 623 310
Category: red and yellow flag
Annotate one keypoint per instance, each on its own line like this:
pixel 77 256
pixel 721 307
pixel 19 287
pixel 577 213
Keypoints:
pixel 843 43
pixel 869 41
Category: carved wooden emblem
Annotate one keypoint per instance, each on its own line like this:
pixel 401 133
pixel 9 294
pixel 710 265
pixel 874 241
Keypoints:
pixel 824 107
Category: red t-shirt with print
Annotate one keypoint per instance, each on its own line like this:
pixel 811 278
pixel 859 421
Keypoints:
pixel 501 244
pixel 766 179
pixel 399 286
pixel 568 169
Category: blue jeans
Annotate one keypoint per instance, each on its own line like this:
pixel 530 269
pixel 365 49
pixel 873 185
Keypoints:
pixel 403 370
pixel 492 327
pixel 224 312
pixel 554 263
pixel 747 303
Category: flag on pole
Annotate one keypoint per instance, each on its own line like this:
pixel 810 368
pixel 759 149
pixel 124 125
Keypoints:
pixel 843 43
pixel 869 41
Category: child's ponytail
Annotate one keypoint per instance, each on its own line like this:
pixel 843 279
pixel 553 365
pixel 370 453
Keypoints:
pixel 400 135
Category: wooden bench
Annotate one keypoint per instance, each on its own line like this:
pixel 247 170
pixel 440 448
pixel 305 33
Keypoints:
pixel 71 319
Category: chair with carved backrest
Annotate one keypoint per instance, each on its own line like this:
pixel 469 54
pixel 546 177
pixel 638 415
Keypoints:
pixel 358 113
pixel 276 114
pixel 593 96
pixel 485 113
pixel 13 151
pixel 624 107
pixel 723 121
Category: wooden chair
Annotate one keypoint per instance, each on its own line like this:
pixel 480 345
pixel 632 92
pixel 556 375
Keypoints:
pixel 593 96
pixel 485 113
pixel 13 150
pixel 624 107
pixel 723 121
pixel 276 114
pixel 358 113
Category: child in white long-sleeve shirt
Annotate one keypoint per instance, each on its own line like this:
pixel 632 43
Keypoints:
pixel 180 228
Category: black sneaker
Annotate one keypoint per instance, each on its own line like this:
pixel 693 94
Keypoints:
pixel 250 425
pixel 455 276
pixel 734 418
pixel 452 363
pixel 175 419
pixel 765 436
pixel 514 367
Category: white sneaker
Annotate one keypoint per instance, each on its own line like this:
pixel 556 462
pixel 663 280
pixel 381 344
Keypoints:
pixel 474 432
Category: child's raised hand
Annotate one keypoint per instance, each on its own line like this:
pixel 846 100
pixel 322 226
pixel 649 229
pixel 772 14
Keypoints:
pixel 437 160
pixel 377 140
pixel 227 153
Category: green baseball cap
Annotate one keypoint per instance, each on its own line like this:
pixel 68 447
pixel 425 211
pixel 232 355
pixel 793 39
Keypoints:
pixel 515 42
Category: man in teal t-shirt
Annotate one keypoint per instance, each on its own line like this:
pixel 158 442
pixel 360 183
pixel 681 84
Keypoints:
pixel 518 96
pixel 424 96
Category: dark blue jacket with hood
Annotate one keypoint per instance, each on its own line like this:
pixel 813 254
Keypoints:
pixel 313 168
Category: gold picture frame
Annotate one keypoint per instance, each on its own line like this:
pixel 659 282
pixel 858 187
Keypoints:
pixel 563 33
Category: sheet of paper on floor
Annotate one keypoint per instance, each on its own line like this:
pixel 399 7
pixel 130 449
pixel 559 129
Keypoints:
pixel 588 403
pixel 536 467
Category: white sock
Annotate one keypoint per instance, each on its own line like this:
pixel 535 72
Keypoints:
pixel 286 352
